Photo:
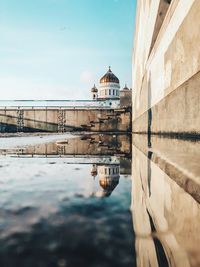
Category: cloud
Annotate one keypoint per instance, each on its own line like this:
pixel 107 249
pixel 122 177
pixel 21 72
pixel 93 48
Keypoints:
pixel 87 77
pixel 24 88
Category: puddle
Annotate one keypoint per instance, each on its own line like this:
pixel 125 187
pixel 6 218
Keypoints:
pixel 67 203
pixel 100 200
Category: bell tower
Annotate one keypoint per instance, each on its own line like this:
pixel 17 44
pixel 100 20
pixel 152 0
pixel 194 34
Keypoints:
pixel 94 92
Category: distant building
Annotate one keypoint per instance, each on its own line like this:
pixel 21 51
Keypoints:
pixel 94 92
pixel 109 92
pixel 125 97
pixel 109 86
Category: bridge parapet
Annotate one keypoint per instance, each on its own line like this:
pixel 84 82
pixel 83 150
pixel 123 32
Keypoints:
pixel 56 104
pixel 63 119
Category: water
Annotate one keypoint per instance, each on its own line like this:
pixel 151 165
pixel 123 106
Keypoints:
pixel 99 200
pixel 66 203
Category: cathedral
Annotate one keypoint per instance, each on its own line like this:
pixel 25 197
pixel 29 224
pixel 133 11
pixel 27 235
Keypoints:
pixel 109 93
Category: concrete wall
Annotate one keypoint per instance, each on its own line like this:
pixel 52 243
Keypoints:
pixel 166 65
pixel 54 120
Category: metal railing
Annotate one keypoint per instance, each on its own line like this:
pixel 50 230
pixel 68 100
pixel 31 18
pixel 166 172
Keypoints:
pixel 54 104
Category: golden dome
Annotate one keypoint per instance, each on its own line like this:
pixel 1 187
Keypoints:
pixel 109 77
pixel 94 89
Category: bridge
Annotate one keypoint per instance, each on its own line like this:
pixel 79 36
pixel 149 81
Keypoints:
pixel 63 115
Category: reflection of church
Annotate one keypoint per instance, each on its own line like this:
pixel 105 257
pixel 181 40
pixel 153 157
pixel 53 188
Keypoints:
pixel 108 176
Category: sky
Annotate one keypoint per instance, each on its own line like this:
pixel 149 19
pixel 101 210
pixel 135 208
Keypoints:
pixel 58 49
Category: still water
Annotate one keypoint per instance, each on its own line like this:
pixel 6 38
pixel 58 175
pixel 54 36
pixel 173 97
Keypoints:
pixel 99 201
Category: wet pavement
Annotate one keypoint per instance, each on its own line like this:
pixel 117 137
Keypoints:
pixel 99 200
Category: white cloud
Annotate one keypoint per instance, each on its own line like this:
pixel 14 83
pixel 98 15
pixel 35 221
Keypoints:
pixel 17 88
pixel 87 77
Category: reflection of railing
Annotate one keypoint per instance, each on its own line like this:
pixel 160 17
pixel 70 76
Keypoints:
pixel 72 159
pixel 52 104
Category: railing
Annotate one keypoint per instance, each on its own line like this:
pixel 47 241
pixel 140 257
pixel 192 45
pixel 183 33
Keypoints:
pixel 52 104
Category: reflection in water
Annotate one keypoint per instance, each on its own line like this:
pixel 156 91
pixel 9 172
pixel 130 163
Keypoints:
pixel 68 203
pixel 87 145
pixel 108 178
pixel 165 202
pixel 62 204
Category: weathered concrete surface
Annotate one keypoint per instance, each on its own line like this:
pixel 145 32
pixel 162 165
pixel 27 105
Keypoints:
pixel 59 120
pixel 126 99
pixel 166 65
pixel 165 202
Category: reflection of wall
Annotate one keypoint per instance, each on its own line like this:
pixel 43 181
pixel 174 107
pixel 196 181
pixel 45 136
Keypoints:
pixel 86 145
pixel 178 158
pixel 166 219
pixel 125 166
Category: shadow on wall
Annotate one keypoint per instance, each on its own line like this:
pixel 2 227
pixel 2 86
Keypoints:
pixel 149 111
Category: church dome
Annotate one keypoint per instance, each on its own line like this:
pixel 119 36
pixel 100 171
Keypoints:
pixel 109 77
pixel 94 89
pixel 126 88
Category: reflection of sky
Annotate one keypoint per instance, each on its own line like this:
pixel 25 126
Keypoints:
pixel 42 191
pixel 49 215
pixel 57 49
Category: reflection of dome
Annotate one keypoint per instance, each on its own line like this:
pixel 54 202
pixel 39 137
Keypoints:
pixel 94 89
pixel 109 77
pixel 94 171
pixel 108 178
pixel 108 185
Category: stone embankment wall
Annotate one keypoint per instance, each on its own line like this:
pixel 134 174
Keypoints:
pixel 60 120
pixel 166 67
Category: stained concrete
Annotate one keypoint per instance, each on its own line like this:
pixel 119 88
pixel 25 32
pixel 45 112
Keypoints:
pixel 166 68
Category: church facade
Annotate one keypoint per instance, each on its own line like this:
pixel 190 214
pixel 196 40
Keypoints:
pixel 109 93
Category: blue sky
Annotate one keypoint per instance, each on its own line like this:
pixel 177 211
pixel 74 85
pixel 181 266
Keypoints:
pixel 57 49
